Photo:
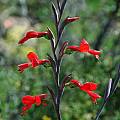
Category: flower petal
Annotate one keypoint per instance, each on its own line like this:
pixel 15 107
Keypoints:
pixel 95 53
pixel 90 86
pixel 43 61
pixel 94 96
pixel 23 66
pixel 32 34
pixel 37 100
pixel 29 34
pixel 74 48
pixel 28 100
pixel 76 82
pixel 34 59
pixel 25 108
pixel 84 46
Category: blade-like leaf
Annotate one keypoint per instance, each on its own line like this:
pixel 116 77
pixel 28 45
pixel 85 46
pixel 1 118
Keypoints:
pixel 52 38
pixel 59 6
pixel 52 94
pixel 55 13
pixel 108 89
pixel 51 61
pixel 61 28
pixel 61 52
pixel 65 80
pixel 63 6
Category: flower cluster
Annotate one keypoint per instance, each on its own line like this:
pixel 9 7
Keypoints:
pixel 33 62
pixel 55 63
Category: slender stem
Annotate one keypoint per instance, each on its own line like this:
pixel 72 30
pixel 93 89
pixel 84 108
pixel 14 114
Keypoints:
pixel 57 66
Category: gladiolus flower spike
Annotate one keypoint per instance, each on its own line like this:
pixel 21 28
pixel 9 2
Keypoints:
pixel 84 47
pixel 34 34
pixel 34 61
pixel 88 87
pixel 28 101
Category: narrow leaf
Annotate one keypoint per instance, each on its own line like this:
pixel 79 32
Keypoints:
pixel 63 6
pixel 52 94
pixel 61 52
pixel 59 6
pixel 61 28
pixel 108 89
pixel 52 38
pixel 55 13
pixel 51 61
pixel 65 80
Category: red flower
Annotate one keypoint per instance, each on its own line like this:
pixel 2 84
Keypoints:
pixel 88 87
pixel 28 101
pixel 71 19
pixel 32 34
pixel 85 47
pixel 34 62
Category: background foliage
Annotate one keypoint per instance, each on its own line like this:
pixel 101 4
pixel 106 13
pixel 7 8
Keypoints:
pixel 99 21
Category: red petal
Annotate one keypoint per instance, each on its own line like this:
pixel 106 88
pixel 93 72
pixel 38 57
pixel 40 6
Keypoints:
pixel 23 66
pixel 32 34
pixel 37 100
pixel 95 53
pixel 94 96
pixel 71 19
pixel 90 86
pixel 23 40
pixel 28 100
pixel 84 46
pixel 74 48
pixel 25 108
pixel 43 96
pixel 43 61
pixel 76 82
pixel 33 58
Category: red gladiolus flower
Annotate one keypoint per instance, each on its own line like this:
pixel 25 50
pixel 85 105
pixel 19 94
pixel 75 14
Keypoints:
pixel 88 87
pixel 34 62
pixel 71 19
pixel 32 34
pixel 28 101
pixel 85 47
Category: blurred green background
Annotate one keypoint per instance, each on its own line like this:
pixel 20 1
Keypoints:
pixel 99 24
